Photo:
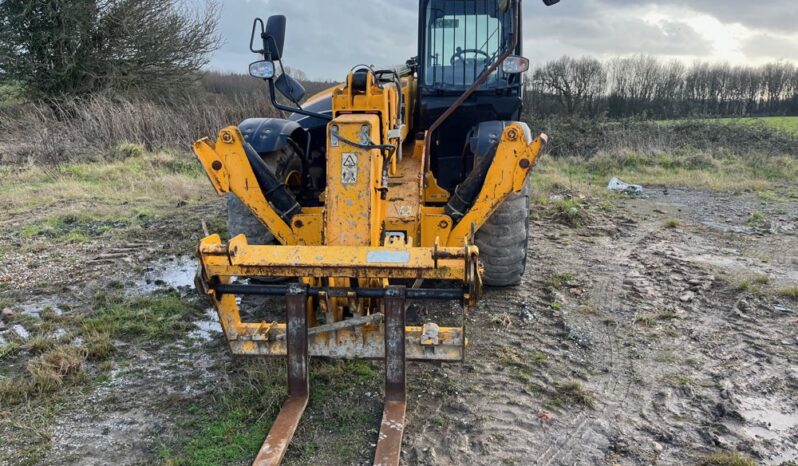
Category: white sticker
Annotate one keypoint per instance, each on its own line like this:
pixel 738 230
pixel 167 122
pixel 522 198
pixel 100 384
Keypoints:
pixel 388 257
pixel 349 167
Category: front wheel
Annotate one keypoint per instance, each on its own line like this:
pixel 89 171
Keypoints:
pixel 503 241
pixel 286 164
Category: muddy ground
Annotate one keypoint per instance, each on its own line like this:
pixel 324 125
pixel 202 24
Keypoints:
pixel 660 332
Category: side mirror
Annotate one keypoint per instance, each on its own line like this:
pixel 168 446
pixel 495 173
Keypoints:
pixel 274 36
pixel 263 69
pixel 551 2
pixel 290 88
pixel 515 65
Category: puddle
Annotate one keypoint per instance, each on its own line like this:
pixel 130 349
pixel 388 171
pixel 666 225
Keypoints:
pixel 35 309
pixel 765 421
pixel 208 328
pixel 175 272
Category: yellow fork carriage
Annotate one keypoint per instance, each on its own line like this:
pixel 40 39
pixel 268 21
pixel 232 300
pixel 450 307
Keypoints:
pixel 380 223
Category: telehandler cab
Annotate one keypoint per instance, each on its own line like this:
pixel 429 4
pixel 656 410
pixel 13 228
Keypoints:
pixel 393 179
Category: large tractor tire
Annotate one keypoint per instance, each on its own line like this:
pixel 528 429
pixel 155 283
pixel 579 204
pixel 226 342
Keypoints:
pixel 503 241
pixel 286 164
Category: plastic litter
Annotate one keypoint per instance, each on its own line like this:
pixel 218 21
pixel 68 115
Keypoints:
pixel 618 185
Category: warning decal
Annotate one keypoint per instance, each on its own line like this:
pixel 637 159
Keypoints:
pixel 349 167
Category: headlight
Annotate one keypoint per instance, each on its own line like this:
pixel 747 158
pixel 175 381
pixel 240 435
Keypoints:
pixel 262 69
pixel 515 65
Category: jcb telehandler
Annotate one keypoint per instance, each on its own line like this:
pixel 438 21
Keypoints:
pixel 398 184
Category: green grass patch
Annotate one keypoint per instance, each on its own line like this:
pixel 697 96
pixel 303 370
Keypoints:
pixel 155 317
pixel 728 459
pixel 81 200
pixel 788 292
pixel 672 223
pixel 336 427
pixel 693 169
pixel 787 124
pixel 560 280
pixel 9 349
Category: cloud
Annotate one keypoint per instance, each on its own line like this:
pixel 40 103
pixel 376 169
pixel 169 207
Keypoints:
pixel 326 37
pixel 772 46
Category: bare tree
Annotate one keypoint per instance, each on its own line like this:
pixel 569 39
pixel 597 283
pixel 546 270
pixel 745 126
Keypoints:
pixel 576 83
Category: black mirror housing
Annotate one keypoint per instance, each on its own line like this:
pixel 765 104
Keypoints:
pixel 551 2
pixel 274 37
pixel 290 88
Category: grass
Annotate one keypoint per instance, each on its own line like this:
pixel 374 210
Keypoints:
pixel 788 292
pixel 155 317
pixel 784 123
pixel 232 429
pixel 755 284
pixel 9 349
pixel 560 280
pixel 672 223
pixel 570 393
pixel 728 459
pixel 80 201
pixel 730 173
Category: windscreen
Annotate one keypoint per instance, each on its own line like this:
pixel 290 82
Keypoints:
pixel 463 38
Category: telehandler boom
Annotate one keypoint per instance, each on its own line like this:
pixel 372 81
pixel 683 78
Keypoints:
pixel 392 179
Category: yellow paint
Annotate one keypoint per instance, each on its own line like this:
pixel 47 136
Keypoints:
pixel 357 238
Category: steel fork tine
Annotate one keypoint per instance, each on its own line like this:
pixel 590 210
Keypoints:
pixel 389 443
pixel 276 443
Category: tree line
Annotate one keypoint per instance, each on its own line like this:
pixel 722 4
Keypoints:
pixel 647 87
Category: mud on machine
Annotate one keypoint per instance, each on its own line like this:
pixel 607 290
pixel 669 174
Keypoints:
pixel 368 193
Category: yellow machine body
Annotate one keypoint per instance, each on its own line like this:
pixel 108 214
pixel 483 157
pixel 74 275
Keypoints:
pixel 381 222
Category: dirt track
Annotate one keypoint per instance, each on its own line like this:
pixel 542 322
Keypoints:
pixel 674 362
pixel 628 343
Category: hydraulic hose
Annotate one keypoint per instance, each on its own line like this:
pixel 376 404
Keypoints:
pixel 274 190
pixel 466 192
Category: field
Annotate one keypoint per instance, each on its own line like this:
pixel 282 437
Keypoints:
pixel 653 329
pixel 789 124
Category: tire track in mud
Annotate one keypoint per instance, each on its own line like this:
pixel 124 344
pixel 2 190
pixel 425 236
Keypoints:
pixel 500 422
pixel 615 362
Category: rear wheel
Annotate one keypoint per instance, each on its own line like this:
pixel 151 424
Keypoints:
pixel 286 164
pixel 503 241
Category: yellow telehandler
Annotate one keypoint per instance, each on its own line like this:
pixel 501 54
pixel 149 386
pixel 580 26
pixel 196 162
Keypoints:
pixel 400 183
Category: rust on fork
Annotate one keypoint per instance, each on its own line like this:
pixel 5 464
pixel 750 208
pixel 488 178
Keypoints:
pixel 273 449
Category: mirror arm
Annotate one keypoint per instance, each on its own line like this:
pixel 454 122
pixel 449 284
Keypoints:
pixel 299 109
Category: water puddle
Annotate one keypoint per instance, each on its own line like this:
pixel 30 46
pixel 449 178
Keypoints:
pixel 35 309
pixel 207 328
pixel 174 272
pixel 767 422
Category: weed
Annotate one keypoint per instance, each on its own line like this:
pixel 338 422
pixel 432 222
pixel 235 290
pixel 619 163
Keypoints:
pixel 644 319
pixel 555 306
pixel 53 368
pixel 679 380
pixel 570 211
pixel 789 292
pixel 571 393
pixel 673 223
pixel 40 344
pixel 755 285
pixel 98 345
pixel 761 280
pixel 439 421
pixel 126 150
pixel 9 349
pixel 757 219
pixel 728 459
pixel 559 280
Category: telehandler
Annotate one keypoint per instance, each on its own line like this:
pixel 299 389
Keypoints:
pixel 408 183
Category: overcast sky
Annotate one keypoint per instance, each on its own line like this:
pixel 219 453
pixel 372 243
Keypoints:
pixel 326 37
